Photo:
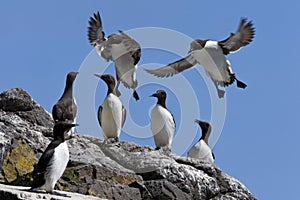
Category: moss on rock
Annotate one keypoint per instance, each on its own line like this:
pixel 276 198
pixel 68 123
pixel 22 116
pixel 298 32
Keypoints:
pixel 19 163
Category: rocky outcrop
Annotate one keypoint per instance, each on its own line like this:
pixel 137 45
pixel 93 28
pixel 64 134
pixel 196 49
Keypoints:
pixel 120 170
pixel 8 192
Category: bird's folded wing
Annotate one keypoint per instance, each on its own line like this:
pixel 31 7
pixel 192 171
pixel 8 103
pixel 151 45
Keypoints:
pixel 100 115
pixel 242 37
pixel 123 115
pixel 57 113
pixel 174 68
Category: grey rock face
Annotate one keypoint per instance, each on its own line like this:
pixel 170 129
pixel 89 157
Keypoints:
pixel 120 170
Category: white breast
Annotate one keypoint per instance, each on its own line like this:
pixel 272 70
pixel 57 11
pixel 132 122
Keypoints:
pixel 201 151
pixel 111 119
pixel 162 126
pixel 211 57
pixel 57 167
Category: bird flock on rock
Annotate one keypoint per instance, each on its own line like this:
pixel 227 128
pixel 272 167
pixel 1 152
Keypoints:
pixel 125 52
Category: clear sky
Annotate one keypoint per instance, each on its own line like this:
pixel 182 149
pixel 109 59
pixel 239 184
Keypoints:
pixel 259 142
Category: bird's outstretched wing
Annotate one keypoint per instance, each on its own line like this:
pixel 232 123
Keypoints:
pixel 174 68
pixel 242 37
pixel 132 46
pixel 95 32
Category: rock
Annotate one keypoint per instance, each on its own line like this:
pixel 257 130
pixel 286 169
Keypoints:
pixel 17 192
pixel 119 170
pixel 16 100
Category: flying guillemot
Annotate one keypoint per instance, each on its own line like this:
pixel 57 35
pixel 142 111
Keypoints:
pixel 120 48
pixel 111 114
pixel 211 55
pixel 54 160
pixel 66 109
pixel 201 150
pixel 162 122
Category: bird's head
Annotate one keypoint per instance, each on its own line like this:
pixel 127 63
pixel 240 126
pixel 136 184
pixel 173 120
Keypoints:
pixel 197 45
pixel 71 76
pixel 160 94
pixel 206 129
pixel 61 128
pixel 107 78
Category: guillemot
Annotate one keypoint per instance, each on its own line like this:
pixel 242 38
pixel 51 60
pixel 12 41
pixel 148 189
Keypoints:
pixel 111 114
pixel 162 122
pixel 211 55
pixel 201 150
pixel 54 160
pixel 120 48
pixel 66 109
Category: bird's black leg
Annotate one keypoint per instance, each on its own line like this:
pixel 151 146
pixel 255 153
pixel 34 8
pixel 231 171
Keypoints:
pixel 220 92
pixel 117 89
pixel 116 139
pixel 135 95
pixel 157 148
pixel 240 84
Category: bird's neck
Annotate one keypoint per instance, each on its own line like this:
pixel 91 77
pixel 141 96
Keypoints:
pixel 205 135
pixel 59 138
pixel 69 88
pixel 111 89
pixel 162 102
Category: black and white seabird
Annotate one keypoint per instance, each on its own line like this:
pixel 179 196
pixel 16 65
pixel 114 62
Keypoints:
pixel 162 122
pixel 66 109
pixel 54 160
pixel 201 150
pixel 120 48
pixel 111 114
pixel 211 55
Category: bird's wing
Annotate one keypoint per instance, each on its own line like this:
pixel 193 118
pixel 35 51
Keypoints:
pixel 57 113
pixel 123 115
pixel 174 68
pixel 242 37
pixel 132 46
pixel 44 162
pixel 64 111
pixel 100 115
pixel 95 32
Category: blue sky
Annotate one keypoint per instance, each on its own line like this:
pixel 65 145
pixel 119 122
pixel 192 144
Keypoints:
pixel 42 41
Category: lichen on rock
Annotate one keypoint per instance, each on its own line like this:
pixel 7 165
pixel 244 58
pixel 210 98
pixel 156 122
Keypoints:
pixel 19 162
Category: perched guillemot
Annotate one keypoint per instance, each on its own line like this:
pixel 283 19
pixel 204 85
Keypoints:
pixel 66 109
pixel 120 48
pixel 201 150
pixel 54 160
pixel 211 55
pixel 111 114
pixel 162 122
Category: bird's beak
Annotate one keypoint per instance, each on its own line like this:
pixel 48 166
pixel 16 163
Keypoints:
pixel 197 121
pixel 154 95
pixel 75 125
pixel 98 75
